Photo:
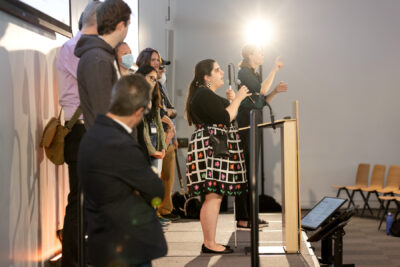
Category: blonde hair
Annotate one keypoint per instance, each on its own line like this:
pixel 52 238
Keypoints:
pixel 247 50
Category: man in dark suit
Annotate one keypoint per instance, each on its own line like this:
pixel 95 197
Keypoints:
pixel 120 188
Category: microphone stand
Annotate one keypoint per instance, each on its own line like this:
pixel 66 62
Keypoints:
pixel 271 114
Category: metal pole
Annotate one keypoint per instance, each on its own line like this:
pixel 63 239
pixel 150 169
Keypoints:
pixel 261 135
pixel 82 245
pixel 253 189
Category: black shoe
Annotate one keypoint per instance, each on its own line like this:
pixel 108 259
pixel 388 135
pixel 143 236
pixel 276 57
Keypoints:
pixel 247 227
pixel 227 250
pixel 171 216
pixel 262 222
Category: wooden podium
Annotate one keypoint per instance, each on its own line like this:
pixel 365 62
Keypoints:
pixel 291 216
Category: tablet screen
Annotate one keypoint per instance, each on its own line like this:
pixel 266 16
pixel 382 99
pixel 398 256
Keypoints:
pixel 321 212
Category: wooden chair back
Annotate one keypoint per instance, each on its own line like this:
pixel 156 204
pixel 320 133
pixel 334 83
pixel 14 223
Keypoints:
pixel 378 176
pixel 393 178
pixel 362 174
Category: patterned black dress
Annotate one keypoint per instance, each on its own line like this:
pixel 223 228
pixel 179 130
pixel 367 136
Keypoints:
pixel 206 173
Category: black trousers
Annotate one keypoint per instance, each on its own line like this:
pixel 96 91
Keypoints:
pixel 242 202
pixel 70 238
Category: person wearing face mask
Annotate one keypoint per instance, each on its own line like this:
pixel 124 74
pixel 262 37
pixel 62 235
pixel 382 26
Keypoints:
pixel 252 58
pixel 124 59
pixel 163 78
pixel 167 111
pixel 207 174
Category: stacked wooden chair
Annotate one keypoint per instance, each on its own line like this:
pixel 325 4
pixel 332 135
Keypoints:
pixel 361 182
pixel 376 185
pixel 391 189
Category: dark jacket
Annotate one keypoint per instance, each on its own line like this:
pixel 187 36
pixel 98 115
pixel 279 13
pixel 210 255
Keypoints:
pixel 253 82
pixel 119 187
pixel 96 76
pixel 206 107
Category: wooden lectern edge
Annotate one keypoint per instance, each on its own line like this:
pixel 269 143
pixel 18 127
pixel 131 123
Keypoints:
pixel 266 124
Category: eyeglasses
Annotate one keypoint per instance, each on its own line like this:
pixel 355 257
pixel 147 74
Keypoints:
pixel 153 79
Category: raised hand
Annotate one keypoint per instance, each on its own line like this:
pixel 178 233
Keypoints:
pixel 281 87
pixel 278 63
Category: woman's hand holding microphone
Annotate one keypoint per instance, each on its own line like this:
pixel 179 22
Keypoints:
pixel 243 93
pixel 230 94
pixel 238 98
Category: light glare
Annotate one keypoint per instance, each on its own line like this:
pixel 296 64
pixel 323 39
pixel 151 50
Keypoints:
pixel 259 32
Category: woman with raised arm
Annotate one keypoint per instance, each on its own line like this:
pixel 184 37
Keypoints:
pixel 253 57
pixel 208 174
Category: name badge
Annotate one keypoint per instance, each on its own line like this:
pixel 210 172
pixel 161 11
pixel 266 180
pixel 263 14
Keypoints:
pixel 153 129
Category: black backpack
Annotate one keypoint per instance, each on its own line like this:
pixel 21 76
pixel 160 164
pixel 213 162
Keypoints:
pixel 184 205
pixel 395 229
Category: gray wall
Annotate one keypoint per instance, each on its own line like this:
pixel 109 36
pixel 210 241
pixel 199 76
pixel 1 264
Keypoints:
pixel 341 62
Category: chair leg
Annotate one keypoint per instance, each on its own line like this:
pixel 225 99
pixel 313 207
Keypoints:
pixel 338 192
pixel 366 201
pixel 384 213
pixel 382 207
pixel 398 209
pixel 350 198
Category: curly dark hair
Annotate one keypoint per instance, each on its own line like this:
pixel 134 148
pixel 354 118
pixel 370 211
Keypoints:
pixel 110 13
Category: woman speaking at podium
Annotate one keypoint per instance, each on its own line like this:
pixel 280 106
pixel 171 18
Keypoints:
pixel 252 58
pixel 209 174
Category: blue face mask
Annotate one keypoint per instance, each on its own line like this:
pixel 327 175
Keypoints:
pixel 127 61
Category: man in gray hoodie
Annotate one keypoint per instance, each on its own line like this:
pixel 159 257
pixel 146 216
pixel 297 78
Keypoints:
pixel 97 72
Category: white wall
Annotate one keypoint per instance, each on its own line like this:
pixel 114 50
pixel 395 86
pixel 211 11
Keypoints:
pixel 32 190
pixel 341 62
pixel 153 32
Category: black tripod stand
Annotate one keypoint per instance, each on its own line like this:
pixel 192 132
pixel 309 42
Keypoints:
pixel 332 233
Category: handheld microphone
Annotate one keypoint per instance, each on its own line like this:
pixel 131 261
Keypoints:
pixel 239 84
pixel 230 75
pixel 230 78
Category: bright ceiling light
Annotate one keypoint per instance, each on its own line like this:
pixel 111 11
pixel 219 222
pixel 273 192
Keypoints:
pixel 259 32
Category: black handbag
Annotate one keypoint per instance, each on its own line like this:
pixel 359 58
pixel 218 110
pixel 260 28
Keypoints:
pixel 219 143
pixel 184 205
